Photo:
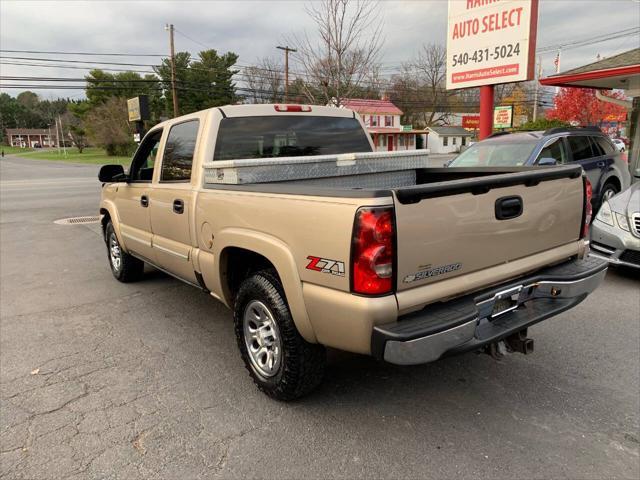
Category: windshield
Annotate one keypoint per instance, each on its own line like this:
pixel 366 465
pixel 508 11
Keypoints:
pixel 495 154
pixel 288 136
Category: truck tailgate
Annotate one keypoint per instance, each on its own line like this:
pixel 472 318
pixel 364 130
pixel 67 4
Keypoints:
pixel 453 228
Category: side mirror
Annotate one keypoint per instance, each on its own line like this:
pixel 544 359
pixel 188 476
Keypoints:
pixel 112 173
pixel 546 161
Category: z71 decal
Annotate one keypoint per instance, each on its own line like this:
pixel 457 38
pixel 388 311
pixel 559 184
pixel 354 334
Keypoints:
pixel 432 272
pixel 325 265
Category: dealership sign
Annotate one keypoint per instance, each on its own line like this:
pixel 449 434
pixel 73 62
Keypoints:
pixel 490 41
pixel 503 117
pixel 471 121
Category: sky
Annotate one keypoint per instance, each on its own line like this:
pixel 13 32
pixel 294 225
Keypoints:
pixel 253 29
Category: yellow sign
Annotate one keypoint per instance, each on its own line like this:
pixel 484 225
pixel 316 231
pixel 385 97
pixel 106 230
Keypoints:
pixel 133 107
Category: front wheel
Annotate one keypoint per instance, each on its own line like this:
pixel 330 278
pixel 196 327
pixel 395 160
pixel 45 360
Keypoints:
pixel 282 364
pixel 609 190
pixel 124 267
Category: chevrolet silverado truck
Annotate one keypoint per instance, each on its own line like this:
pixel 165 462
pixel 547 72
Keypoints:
pixel 286 215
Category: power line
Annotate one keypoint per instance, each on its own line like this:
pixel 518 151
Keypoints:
pixel 95 54
pixel 574 44
pixel 191 39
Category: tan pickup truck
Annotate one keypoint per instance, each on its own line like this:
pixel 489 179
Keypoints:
pixel 286 215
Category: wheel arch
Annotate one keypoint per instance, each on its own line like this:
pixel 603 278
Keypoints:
pixel 613 179
pixel 242 252
pixel 108 213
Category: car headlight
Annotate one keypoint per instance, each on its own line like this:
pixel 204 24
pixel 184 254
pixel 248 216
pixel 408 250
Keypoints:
pixel 605 215
pixel 623 223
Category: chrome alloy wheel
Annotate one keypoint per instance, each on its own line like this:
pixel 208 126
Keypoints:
pixel 115 254
pixel 262 339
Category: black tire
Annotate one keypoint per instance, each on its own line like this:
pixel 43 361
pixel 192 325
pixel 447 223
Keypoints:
pixel 608 190
pixel 301 364
pixel 129 268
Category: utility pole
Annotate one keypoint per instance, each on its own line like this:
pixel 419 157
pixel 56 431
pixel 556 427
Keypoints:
pixel 174 94
pixel 286 70
pixel 57 135
pixel 535 96
pixel 64 148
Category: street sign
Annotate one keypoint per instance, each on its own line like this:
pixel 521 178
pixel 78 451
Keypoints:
pixel 471 121
pixel 490 42
pixel 503 117
pixel 407 128
pixel 138 108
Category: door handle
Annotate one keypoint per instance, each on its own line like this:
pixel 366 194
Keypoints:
pixel 178 206
pixel 144 201
pixel 601 164
pixel 509 207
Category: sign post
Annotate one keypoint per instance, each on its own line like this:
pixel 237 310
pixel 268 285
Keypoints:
pixel 489 43
pixel 138 112
pixel 486 111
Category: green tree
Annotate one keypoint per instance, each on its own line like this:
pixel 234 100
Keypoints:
pixel 74 120
pixel 204 82
pixel 28 99
pixel 28 111
pixel 107 126
pixel 102 86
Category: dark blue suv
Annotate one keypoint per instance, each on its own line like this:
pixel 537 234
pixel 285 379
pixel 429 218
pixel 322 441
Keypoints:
pixel 589 147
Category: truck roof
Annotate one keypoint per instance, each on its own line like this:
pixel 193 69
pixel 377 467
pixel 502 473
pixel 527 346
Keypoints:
pixel 267 109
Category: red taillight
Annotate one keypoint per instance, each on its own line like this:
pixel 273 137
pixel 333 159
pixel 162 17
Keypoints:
pixel 292 108
pixel 373 251
pixel 588 209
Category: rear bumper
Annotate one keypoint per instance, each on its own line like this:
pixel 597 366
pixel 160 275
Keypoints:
pixel 470 322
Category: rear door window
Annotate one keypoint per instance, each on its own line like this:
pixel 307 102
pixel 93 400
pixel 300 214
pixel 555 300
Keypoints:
pixel 580 147
pixel 605 145
pixel 554 150
pixel 178 152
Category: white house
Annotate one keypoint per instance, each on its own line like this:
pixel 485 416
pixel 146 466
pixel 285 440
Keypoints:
pixel 382 120
pixel 447 139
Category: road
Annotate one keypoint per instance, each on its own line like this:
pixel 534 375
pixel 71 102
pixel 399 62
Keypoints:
pixel 105 380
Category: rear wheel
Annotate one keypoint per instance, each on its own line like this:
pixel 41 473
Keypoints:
pixel 282 364
pixel 124 267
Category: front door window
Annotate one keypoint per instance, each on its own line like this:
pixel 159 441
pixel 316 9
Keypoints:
pixel 145 157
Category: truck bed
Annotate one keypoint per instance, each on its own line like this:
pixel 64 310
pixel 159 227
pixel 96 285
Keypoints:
pixel 448 220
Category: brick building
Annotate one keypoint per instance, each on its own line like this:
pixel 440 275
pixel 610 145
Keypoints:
pixel 31 137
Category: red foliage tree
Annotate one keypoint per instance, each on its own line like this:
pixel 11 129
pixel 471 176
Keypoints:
pixel 580 105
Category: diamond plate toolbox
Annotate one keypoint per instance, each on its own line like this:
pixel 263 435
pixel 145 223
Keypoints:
pixel 282 169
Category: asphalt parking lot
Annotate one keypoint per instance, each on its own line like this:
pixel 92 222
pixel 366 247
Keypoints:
pixel 105 380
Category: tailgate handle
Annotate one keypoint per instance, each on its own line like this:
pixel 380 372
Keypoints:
pixel 508 207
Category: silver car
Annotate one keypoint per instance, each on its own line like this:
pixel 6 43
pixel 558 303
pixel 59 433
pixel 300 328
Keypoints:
pixel 615 232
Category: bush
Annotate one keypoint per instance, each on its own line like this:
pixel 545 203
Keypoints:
pixel 120 150
pixel 542 124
